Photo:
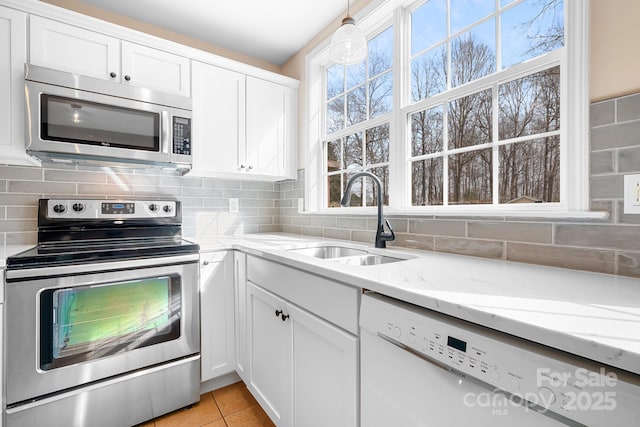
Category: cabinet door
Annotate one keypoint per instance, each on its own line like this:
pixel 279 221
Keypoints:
pixel 218 119
pixel 268 344
pixel 1 361
pixel 13 55
pixel 325 372
pixel 146 67
pixel 216 314
pixel 76 50
pixel 240 279
pixel 1 332
pixel 268 121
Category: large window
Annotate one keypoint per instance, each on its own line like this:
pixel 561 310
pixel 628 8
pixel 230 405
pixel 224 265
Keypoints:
pixel 492 136
pixel 480 117
pixel 359 100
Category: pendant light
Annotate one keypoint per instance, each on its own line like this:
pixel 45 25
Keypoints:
pixel 348 44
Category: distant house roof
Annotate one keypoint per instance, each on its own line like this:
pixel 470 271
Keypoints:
pixel 525 199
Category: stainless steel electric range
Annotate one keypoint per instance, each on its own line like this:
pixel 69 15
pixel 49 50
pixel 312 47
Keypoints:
pixel 102 316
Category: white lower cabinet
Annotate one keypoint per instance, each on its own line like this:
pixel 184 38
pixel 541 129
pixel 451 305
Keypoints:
pixel 240 294
pixel 217 314
pixel 303 370
pixel 269 345
pixel 325 372
pixel 1 341
pixel 1 361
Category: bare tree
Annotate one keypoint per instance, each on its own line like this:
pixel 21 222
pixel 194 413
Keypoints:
pixel 530 106
pixel 469 123
pixel 546 38
pixel 370 96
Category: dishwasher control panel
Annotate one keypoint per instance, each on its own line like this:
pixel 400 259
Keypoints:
pixel 542 379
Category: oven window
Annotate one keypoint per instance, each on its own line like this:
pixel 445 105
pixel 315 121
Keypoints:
pixel 91 123
pixel 89 322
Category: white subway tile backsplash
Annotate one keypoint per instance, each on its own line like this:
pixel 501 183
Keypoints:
pixel 41 187
pixel 204 200
pixel 602 113
pixel 21 173
pixel 629 160
pixel 628 108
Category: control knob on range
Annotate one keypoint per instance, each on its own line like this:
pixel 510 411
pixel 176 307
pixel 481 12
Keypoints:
pixel 168 208
pixel 153 207
pixel 59 209
pixel 78 207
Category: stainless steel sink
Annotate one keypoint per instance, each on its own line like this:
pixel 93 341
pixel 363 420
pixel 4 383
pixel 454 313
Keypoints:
pixel 327 252
pixel 345 255
pixel 369 259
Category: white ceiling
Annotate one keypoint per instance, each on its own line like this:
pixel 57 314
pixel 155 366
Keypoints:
pixel 270 30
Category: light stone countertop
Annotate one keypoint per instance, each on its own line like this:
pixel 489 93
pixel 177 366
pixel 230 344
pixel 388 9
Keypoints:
pixel 593 315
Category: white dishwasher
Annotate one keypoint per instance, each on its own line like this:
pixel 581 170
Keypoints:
pixel 422 368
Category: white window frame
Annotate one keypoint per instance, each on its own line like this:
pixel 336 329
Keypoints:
pixel 574 166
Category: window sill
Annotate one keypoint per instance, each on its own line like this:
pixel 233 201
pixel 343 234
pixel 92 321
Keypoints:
pixel 474 213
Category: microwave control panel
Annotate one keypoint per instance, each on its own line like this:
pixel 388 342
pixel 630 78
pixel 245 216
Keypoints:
pixel 181 135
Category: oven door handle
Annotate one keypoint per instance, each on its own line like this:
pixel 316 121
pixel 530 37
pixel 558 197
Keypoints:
pixel 12 275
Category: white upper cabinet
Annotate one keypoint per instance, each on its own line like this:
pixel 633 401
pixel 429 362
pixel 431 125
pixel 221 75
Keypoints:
pixel 77 50
pixel 218 121
pixel 243 126
pixel 268 122
pixel 155 69
pixel 13 55
pixel 244 122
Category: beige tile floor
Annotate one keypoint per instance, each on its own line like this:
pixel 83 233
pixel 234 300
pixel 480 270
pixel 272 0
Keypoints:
pixel 231 406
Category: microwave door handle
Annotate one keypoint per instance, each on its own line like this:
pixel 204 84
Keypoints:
pixel 165 124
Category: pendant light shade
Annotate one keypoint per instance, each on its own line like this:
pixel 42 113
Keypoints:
pixel 348 44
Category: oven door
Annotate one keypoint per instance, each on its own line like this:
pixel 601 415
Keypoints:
pixel 69 326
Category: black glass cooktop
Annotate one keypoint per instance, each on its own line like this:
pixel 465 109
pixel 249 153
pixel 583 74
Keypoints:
pixel 70 253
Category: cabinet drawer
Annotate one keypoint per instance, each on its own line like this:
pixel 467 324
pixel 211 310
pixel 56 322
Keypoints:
pixel 334 301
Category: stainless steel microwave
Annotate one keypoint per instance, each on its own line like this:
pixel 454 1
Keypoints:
pixel 83 120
